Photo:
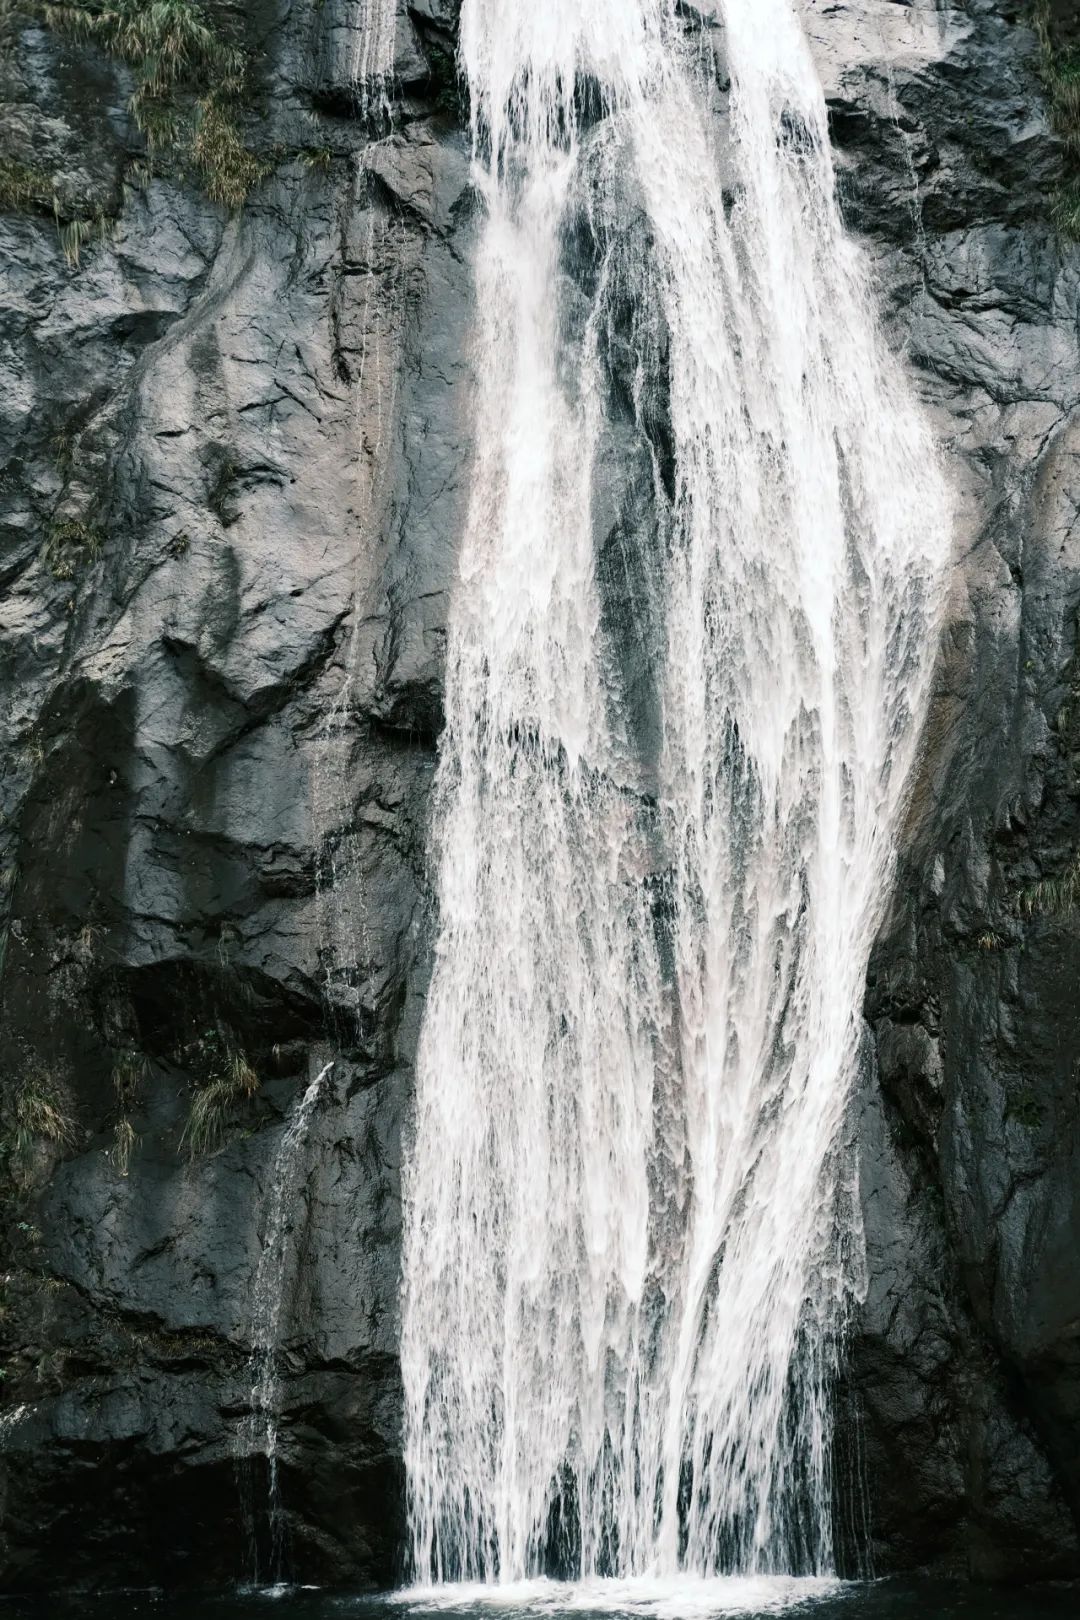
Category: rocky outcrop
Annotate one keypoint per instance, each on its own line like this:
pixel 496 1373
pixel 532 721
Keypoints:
pixel 235 450
pixel 965 1358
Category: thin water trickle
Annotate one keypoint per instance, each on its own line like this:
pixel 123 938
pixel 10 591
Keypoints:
pixel 258 1432
pixel 631 1228
pixel 373 55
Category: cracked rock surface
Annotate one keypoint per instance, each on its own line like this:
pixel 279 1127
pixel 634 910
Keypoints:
pixel 234 456
pixel 234 450
pixel 963 1408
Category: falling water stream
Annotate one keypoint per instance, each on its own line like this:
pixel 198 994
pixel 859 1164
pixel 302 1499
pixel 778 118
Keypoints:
pixel 373 53
pixel 258 1433
pixel 631 1225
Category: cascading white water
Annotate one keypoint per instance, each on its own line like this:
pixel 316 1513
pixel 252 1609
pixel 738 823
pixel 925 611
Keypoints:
pixel 373 52
pixel 630 1229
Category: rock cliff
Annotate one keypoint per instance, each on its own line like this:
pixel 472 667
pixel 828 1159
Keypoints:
pixel 965 1359
pixel 234 450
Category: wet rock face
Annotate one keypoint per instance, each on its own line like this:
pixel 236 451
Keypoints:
pixel 234 457
pixel 965 1358
pixel 234 453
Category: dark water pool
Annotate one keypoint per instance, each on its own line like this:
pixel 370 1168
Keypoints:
pixel 879 1600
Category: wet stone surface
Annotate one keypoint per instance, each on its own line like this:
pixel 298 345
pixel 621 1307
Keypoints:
pixel 234 454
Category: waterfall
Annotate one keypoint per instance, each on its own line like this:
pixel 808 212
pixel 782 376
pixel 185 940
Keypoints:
pixel 630 1221
pixel 373 53
pixel 258 1432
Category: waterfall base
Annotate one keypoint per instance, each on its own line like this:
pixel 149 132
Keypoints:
pixel 680 1597
pixel 677 1599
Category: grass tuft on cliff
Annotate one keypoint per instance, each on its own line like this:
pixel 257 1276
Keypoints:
pixel 228 1081
pixel 227 169
pixel 71 545
pixel 167 40
pixel 189 83
pixel 1056 896
pixel 37 1114
pixel 23 187
pixel 124 1144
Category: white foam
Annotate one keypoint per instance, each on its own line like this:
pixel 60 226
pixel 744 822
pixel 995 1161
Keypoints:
pixel 631 1227
pixel 679 1599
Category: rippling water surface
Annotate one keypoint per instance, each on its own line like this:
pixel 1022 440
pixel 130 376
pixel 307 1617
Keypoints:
pixel 687 1600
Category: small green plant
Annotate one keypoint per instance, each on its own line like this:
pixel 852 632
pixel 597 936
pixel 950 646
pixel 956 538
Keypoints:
pixel 23 188
pixel 28 190
pixel 222 496
pixel 227 169
pixel 128 1072
pixel 139 174
pixel 124 1144
pixel 991 940
pixel 1065 210
pixel 75 233
pixel 62 446
pixel 228 1080
pixel 1053 897
pixel 70 544
pixel 1061 71
pixel 74 532
pixel 37 1114
pixel 210 1109
pixel 316 157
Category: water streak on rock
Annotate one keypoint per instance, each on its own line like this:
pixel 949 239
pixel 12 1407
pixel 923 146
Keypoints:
pixel 258 1433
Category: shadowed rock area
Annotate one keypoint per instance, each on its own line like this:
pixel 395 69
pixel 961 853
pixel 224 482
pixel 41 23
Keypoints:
pixel 965 1358
pixel 234 455
pixel 234 450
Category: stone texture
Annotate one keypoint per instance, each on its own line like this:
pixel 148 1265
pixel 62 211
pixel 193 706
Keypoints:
pixel 219 730
pixel 963 1375
pixel 222 714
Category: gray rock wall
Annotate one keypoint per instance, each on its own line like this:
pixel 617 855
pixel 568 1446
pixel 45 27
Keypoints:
pixel 964 1396
pixel 234 451
pixel 216 716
